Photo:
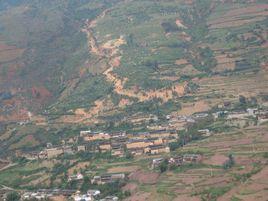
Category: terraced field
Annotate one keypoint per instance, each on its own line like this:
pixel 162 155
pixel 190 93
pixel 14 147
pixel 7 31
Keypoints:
pixel 209 180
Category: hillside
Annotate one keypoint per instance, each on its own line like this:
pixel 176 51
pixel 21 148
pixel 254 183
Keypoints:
pixel 135 67
pixel 102 64
pixel 71 57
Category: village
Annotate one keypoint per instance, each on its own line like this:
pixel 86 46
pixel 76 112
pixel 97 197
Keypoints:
pixel 152 142
pixel 122 144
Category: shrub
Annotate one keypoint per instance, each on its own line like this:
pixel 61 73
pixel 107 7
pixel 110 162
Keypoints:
pixel 13 196
pixel 129 155
pixel 265 155
pixel 229 163
pixel 163 166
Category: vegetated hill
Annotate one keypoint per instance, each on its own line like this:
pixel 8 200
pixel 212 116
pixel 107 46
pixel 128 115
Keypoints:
pixel 77 60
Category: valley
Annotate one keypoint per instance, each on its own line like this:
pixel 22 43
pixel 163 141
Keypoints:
pixel 134 99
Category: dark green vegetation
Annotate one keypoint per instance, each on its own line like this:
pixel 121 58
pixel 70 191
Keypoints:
pixel 13 196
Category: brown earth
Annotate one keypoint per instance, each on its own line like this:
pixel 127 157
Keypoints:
pixel 144 177
pixel 262 176
pixel 190 179
pixel 187 198
pixel 77 167
pixel 189 70
pixel 235 23
pixel 140 196
pixel 224 63
pixel 180 24
pixel 28 140
pixel 181 62
pixel 227 144
pixel 191 108
pixel 9 53
pixel 216 159
pixel 215 181
pixel 254 189
pixel 249 85
pixel 59 198
pixel 234 17
pixel 126 169
pixel 3 164
pixel 130 187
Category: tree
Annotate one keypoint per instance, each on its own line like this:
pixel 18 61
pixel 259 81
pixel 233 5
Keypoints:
pixel 242 100
pixel 13 196
pixel 174 145
pixel 86 184
pixel 163 166
pixel 129 155
pixel 229 163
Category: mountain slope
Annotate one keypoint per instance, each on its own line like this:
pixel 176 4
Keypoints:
pixel 117 56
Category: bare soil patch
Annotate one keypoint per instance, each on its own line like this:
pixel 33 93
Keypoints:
pixel 256 196
pixel 216 159
pixel 188 109
pixel 140 196
pixel 215 181
pixel 3 164
pixel 59 198
pixel 181 62
pixel 187 198
pixel 9 53
pixel 235 23
pixel 126 169
pixel 190 179
pixel 179 23
pixel 227 144
pixel 237 17
pixel 224 63
pixel 262 176
pixel 189 70
pixel 144 177
pixel 77 167
pixel 130 187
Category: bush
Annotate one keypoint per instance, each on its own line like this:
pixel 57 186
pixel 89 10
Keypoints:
pixel 229 163
pixel 170 27
pixel 86 184
pixel 13 196
pixel 175 145
pixel 265 155
pixel 129 155
pixel 163 166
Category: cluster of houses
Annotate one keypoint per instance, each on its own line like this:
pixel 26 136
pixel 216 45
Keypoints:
pixel 119 144
pixel 99 179
pixel 153 142
pixel 42 194
pixel 73 195
pixel 232 117
pixel 180 122
pixel 251 116
pixel 177 160
pixel 91 195
pixel 107 178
